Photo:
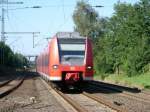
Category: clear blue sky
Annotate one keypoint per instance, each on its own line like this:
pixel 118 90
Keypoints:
pixel 48 20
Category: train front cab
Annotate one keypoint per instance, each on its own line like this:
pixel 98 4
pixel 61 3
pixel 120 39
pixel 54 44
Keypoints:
pixel 73 61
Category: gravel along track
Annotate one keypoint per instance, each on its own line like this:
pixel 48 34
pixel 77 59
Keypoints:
pixel 133 92
pixel 31 96
pixel 6 79
pixel 105 102
pixel 128 102
pixel 147 92
pixel 90 104
pixel 11 85
pixel 78 102
pixel 34 96
pixel 3 83
pixel 62 101
pixel 82 103
pixel 139 96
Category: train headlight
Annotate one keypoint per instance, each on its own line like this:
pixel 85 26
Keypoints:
pixel 89 67
pixel 55 66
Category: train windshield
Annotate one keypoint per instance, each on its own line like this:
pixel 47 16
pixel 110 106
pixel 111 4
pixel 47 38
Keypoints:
pixel 72 52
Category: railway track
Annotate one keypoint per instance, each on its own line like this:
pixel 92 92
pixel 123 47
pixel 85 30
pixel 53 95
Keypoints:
pixel 5 82
pixel 10 85
pixel 79 107
pixel 124 88
pixel 146 92
pixel 105 102
pixel 69 101
pixel 139 96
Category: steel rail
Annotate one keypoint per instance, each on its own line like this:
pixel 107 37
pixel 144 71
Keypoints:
pixel 132 89
pixel 80 108
pixel 5 83
pixel 76 105
pixel 69 100
pixel 146 92
pixel 5 91
pixel 105 102
pixel 124 93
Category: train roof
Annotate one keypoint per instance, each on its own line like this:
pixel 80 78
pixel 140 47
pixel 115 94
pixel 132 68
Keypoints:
pixel 69 35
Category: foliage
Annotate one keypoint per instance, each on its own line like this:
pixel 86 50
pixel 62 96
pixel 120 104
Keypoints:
pixel 121 42
pixel 8 58
pixel 141 81
pixel 87 21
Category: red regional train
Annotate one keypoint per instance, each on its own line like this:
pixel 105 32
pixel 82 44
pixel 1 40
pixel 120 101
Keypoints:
pixel 68 59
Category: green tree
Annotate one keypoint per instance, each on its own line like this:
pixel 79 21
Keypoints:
pixel 121 42
pixel 132 33
pixel 87 21
pixel 8 58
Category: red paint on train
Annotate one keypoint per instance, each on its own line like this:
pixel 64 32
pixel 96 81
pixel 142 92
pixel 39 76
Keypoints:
pixel 59 62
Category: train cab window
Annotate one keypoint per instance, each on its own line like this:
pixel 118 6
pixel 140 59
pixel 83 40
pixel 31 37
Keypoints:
pixel 72 51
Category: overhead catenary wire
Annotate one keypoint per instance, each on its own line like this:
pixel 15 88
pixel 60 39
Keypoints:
pixel 63 9
pixel 62 6
pixel 15 41
pixel 9 22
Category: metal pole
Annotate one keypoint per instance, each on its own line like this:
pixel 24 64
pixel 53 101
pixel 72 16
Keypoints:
pixel 33 39
pixel 3 26
pixel 2 35
pixel 33 34
pixel 3 17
